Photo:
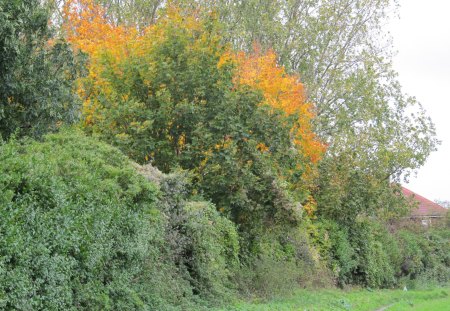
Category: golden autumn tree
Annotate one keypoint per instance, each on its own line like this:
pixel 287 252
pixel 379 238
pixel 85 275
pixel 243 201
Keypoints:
pixel 107 46
pixel 281 91
pixel 285 92
pixel 174 95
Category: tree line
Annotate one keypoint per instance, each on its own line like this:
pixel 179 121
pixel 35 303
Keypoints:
pixel 256 146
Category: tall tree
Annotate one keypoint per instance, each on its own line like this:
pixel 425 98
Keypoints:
pixel 343 55
pixel 138 13
pixel 175 95
pixel 36 72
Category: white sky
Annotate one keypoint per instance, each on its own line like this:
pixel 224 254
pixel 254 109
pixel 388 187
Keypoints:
pixel 422 39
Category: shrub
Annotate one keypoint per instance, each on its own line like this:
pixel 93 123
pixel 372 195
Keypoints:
pixel 376 254
pixel 362 254
pixel 280 260
pixel 78 227
pixel 267 277
pixel 212 251
pixel 425 257
pixel 203 244
pixel 335 249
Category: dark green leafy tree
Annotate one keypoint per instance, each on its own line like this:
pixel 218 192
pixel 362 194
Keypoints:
pixel 36 72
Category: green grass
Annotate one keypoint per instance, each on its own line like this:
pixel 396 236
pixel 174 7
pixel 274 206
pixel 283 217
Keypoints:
pixel 430 303
pixel 330 300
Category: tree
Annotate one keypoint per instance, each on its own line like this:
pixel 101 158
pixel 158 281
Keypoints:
pixel 36 72
pixel 175 95
pixel 138 13
pixel 343 56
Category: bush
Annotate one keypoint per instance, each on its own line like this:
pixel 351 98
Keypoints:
pixel 78 227
pixel 281 260
pixel 267 277
pixel 212 251
pixel 362 254
pixel 425 257
pixel 377 254
pixel 335 249
pixel 203 244
pixel 36 72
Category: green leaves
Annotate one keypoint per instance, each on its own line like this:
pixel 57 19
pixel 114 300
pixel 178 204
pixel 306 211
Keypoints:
pixel 78 225
pixel 343 57
pixel 36 72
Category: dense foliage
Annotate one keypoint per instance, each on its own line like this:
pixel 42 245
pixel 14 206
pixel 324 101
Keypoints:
pixel 203 244
pixel 425 259
pixel 36 72
pixel 176 96
pixel 81 229
pixel 230 175
pixel 78 225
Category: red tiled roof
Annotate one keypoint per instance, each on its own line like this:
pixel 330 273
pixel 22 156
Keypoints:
pixel 426 207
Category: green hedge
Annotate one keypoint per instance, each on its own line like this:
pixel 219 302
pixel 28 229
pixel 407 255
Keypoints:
pixel 425 257
pixel 203 244
pixel 81 229
pixel 77 225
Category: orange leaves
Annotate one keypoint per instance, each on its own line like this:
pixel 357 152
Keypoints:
pixel 111 47
pixel 281 91
pixel 107 46
pixel 88 29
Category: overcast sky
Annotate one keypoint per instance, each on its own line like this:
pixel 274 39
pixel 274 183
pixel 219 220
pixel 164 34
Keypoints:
pixel 422 40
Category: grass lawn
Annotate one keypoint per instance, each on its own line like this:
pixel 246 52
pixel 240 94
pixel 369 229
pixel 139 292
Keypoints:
pixel 329 300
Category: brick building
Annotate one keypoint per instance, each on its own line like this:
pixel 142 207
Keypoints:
pixel 428 212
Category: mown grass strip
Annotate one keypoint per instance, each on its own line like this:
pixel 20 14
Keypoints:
pixel 361 300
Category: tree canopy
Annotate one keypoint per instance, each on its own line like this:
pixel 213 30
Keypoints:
pixel 176 95
pixel 273 135
pixel 37 72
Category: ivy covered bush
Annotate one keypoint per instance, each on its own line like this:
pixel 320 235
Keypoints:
pixel 81 228
pixel 77 225
pixel 203 244
pixel 425 257
pixel 363 254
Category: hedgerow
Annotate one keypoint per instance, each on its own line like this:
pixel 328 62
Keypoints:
pixel 81 229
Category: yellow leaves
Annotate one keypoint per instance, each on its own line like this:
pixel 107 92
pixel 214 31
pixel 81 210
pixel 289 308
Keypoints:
pixel 262 147
pixel 107 46
pixel 225 145
pixel 281 91
pixel 87 28
pixel 225 59
pixel 111 47
pixel 310 206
